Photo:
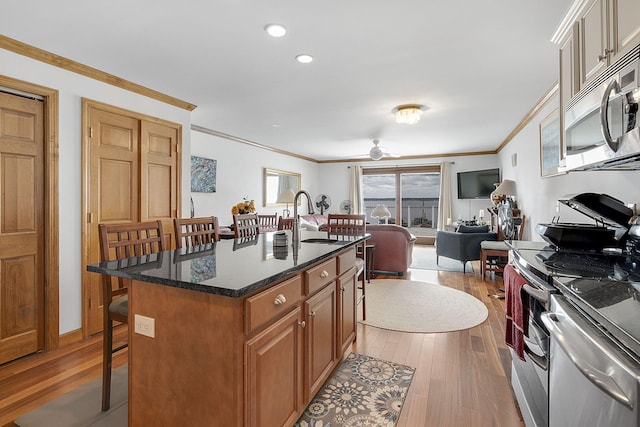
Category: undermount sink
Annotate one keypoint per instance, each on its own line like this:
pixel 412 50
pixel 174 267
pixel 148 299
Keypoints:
pixel 320 240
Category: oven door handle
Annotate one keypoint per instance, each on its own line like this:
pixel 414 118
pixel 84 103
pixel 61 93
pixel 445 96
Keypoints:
pixel 537 294
pixel 570 335
pixel 542 362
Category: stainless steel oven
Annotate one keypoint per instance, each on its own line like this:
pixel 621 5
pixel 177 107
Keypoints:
pixel 592 381
pixel 530 377
pixel 586 278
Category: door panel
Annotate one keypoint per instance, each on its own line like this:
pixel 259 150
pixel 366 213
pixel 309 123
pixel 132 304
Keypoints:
pixel 21 227
pixel 159 176
pixel 113 193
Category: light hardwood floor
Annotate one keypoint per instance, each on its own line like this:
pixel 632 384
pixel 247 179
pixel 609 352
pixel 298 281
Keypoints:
pixel 461 378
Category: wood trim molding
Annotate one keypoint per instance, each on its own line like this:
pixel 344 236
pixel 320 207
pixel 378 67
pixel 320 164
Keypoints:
pixel 418 157
pixel 51 206
pixel 208 131
pixel 93 73
pixel 530 115
pixel 71 337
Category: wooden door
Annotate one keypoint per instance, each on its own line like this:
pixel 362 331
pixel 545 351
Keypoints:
pixel 21 227
pixel 273 379
pixel 321 339
pixel 347 285
pixel 131 173
pixel 113 189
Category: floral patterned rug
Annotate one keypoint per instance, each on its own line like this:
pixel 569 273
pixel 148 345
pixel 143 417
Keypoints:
pixel 364 391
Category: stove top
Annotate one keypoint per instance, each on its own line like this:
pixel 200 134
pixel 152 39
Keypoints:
pixel 604 285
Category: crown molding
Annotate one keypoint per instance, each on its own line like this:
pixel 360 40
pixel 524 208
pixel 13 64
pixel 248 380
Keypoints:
pixel 75 67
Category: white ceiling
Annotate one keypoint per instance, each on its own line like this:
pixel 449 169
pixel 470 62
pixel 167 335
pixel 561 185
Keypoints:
pixel 479 67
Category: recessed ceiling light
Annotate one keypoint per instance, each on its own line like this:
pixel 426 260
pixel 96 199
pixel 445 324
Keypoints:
pixel 304 58
pixel 275 30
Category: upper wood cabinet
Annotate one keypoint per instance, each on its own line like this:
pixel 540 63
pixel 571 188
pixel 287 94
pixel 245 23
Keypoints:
pixel 593 35
pixel 569 78
pixel 593 44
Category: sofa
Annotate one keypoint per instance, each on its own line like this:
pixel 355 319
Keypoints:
pixel 313 222
pixel 464 244
pixel 394 248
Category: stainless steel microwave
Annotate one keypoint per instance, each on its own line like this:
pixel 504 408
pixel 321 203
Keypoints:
pixel 601 123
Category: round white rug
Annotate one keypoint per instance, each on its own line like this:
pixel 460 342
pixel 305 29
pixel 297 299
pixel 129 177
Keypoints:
pixel 412 306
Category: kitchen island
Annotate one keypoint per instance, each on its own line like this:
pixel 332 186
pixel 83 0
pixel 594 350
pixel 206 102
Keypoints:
pixel 238 333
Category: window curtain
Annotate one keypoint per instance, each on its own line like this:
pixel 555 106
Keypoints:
pixel 444 205
pixel 355 190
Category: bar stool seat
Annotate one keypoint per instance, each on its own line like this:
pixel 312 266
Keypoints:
pixel 494 256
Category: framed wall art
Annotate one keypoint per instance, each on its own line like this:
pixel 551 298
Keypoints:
pixel 550 145
pixel 203 175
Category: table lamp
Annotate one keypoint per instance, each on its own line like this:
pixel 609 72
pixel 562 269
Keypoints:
pixel 287 197
pixel 381 211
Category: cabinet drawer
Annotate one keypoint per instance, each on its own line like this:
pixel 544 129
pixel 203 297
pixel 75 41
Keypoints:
pixel 320 275
pixel 273 302
pixel 346 260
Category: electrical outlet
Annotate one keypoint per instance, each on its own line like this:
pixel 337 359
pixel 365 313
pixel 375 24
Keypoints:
pixel 145 325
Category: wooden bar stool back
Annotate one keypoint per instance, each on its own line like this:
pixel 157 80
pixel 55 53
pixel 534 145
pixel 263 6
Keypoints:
pixel 196 231
pixel 353 224
pixel 268 222
pixel 119 241
pixel 246 225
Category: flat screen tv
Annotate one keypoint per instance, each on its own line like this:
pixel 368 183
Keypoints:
pixel 477 184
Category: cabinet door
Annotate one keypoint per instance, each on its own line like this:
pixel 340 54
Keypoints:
pixel 625 26
pixel 321 338
pixel 346 310
pixel 273 373
pixel 593 43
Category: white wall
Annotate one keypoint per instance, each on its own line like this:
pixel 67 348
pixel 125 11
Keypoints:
pixel 72 88
pixel 537 196
pixel 240 174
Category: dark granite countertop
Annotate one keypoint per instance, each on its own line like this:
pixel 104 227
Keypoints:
pixel 231 268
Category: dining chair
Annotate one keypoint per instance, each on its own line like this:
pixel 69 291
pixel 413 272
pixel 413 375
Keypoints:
pixel 346 224
pixel 268 222
pixel 245 225
pixel 196 231
pixel 119 241
pixel 285 223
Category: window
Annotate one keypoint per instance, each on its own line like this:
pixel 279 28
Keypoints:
pixel 410 194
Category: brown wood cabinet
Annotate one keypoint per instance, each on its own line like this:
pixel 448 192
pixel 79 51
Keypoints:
pixel 249 361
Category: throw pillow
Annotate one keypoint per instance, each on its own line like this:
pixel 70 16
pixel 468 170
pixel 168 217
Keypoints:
pixel 473 229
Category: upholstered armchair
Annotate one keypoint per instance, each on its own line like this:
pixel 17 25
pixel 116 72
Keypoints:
pixel 464 244
pixel 394 247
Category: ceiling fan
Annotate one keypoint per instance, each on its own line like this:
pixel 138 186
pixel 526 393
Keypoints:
pixel 376 152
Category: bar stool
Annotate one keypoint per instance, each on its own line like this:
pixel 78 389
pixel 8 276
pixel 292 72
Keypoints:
pixel 494 256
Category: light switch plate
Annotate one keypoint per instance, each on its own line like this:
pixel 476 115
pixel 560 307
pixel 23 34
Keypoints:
pixel 145 325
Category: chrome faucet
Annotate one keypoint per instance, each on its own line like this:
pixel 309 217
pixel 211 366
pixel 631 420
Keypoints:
pixel 296 221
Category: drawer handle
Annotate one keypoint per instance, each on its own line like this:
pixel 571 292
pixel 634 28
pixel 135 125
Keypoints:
pixel 324 274
pixel 280 299
pixel 302 324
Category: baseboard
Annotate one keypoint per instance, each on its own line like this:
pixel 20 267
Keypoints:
pixel 69 338
pixel 425 240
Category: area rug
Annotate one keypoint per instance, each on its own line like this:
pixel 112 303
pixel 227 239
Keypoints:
pixel 424 257
pixel 81 407
pixel 412 306
pixel 363 391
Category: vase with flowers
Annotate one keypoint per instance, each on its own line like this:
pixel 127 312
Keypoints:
pixel 245 207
